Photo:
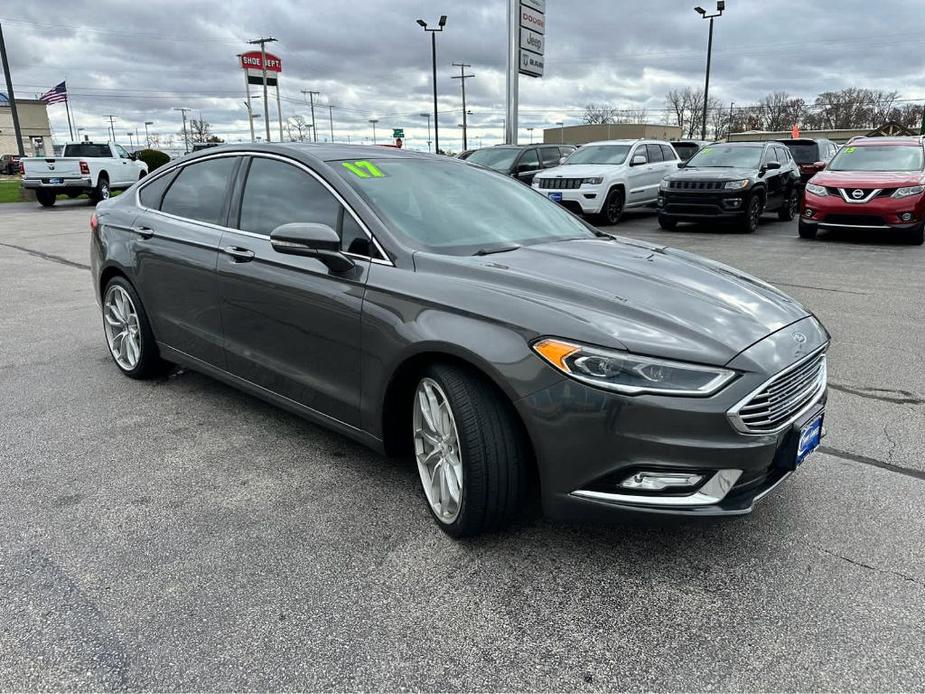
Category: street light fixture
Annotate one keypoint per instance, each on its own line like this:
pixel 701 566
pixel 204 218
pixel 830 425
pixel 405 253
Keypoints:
pixel 147 136
pixel 433 49
pixel 720 6
pixel 530 130
pixel 374 121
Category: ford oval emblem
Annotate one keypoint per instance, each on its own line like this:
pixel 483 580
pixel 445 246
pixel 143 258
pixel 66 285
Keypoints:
pixel 799 338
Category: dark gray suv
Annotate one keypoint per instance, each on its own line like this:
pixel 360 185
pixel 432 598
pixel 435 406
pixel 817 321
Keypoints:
pixel 431 308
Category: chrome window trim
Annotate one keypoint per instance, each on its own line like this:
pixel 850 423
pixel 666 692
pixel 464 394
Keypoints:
pixel 820 386
pixel 712 492
pixel 266 155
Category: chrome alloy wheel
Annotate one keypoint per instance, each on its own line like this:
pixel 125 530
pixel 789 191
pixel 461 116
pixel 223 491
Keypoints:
pixel 120 321
pixel 436 448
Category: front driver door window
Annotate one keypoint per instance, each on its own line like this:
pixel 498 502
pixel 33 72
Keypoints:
pixel 291 325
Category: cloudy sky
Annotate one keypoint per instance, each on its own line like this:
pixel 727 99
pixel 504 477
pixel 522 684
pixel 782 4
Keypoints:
pixel 369 59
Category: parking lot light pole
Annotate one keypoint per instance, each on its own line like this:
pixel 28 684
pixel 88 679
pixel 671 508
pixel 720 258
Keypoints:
pixel 720 6
pixel 147 136
pixel 530 130
pixel 427 116
pixel 433 51
pixel 374 121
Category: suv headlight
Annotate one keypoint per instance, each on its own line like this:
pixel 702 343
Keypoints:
pixel 737 185
pixel 630 373
pixel 817 190
pixel 663 185
pixel 593 180
pixel 906 191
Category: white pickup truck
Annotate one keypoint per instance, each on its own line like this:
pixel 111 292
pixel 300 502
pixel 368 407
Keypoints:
pixel 95 168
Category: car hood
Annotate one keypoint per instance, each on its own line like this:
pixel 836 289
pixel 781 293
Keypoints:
pixel 579 170
pixel 712 174
pixel 629 295
pixel 869 179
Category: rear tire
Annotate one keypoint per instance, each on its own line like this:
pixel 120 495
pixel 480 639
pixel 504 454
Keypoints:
pixel 475 436
pixel 46 198
pixel 135 352
pixel 666 223
pixel 612 211
pixel 791 206
pixel 102 190
pixel 807 231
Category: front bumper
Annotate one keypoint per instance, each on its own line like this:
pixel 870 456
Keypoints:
pixel 84 183
pixel 588 199
pixel 694 206
pixel 880 213
pixel 587 441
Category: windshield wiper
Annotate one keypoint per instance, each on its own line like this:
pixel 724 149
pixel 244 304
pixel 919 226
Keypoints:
pixel 497 249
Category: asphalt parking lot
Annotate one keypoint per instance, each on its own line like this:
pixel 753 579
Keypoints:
pixel 181 535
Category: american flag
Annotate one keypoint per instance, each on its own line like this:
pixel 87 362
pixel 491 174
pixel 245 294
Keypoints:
pixel 55 94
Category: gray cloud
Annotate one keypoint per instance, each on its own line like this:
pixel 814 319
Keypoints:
pixel 370 59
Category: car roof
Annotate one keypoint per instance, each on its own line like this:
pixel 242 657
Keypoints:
pixel 320 151
pixel 911 140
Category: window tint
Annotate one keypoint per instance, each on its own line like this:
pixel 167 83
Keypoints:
pixel 654 153
pixel 550 156
pixel 151 194
pixel 198 192
pixel 668 153
pixel 120 150
pixel 529 159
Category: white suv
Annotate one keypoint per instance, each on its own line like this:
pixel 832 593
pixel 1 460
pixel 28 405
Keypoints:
pixel 604 178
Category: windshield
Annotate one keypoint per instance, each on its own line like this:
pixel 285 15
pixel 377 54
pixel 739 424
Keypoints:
pixel 804 152
pixel 878 158
pixel 727 157
pixel 87 149
pixel 497 158
pixel 452 208
pixel 599 154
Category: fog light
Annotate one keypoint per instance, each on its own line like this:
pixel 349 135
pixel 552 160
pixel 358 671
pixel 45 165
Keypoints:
pixel 808 212
pixel 733 203
pixel 906 216
pixel 653 481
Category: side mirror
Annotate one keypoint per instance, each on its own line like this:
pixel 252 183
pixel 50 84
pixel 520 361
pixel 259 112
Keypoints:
pixel 313 241
pixel 639 160
pixel 819 165
pixel 682 164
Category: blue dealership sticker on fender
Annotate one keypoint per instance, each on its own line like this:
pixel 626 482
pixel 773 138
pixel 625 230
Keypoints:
pixel 810 436
pixel 555 197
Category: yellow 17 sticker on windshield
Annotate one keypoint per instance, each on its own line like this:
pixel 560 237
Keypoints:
pixel 363 169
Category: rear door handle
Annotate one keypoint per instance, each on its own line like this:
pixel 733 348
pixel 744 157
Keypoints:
pixel 144 232
pixel 240 255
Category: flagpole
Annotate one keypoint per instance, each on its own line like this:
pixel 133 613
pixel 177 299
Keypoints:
pixel 69 126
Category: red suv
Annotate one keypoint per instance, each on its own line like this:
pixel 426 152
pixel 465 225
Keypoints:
pixel 873 183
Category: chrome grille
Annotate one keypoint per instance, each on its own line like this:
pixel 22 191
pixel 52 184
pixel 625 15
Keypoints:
pixel 780 401
pixel 560 183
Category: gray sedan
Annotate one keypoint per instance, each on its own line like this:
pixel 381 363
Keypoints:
pixel 433 309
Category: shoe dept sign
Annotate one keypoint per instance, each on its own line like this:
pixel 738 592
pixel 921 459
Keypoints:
pixel 532 46
pixel 252 63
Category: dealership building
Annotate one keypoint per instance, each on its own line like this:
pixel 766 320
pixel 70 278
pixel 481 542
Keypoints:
pixel 33 123
pixel 583 134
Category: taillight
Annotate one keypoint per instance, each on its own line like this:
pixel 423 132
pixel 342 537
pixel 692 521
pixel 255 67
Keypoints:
pixel 94 223
pixel 22 169
pixel 84 168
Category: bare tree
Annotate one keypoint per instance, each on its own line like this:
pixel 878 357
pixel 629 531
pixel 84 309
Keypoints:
pixel 597 114
pixel 676 107
pixel 198 130
pixel 298 128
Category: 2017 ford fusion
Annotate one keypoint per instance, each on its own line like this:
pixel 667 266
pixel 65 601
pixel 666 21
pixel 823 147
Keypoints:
pixel 424 306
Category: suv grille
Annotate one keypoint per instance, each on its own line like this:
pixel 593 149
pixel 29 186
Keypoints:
pixel 561 183
pixel 782 399
pixel 696 185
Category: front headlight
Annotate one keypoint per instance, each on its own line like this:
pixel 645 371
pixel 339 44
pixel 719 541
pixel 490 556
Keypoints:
pixel 737 185
pixel 593 180
pixel 816 190
pixel 663 185
pixel 908 190
pixel 630 373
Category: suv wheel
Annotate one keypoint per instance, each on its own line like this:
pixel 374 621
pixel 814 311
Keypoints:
pixel 807 231
pixel 666 223
pixel 917 235
pixel 613 207
pixel 752 214
pixel 469 450
pixel 791 206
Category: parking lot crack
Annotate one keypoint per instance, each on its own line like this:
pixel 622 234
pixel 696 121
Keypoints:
pixel 47 256
pixel 855 562
pixel 864 460
pixel 899 397
pixel 821 289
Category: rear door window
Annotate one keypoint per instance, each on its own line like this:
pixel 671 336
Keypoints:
pixel 529 161
pixel 550 156
pixel 668 153
pixel 654 153
pixel 200 190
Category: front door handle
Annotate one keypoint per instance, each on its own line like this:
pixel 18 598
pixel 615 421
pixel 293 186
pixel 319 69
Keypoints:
pixel 144 232
pixel 240 255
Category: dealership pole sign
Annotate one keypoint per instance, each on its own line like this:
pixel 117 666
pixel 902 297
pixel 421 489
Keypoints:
pixel 531 45
pixel 254 68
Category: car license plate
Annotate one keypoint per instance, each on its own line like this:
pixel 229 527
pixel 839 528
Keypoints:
pixel 810 436
pixel 555 197
pixel 56 180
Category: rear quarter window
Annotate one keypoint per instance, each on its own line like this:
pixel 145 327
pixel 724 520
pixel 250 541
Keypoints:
pixel 151 193
pixel 199 191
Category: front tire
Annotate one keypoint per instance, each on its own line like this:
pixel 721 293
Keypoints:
pixel 807 231
pixel 791 207
pixel 666 223
pixel 612 211
pixel 128 332
pixel 46 198
pixel 917 236
pixel 752 215
pixel 470 452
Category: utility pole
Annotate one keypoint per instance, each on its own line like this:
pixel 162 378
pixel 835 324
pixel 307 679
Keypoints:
pixel 427 116
pixel 720 6
pixel 311 101
pixel 462 81
pixel 262 42
pixel 112 130
pixel 331 118
pixel 183 110
pixel 11 95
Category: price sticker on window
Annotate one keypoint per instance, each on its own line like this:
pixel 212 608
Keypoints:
pixel 363 169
